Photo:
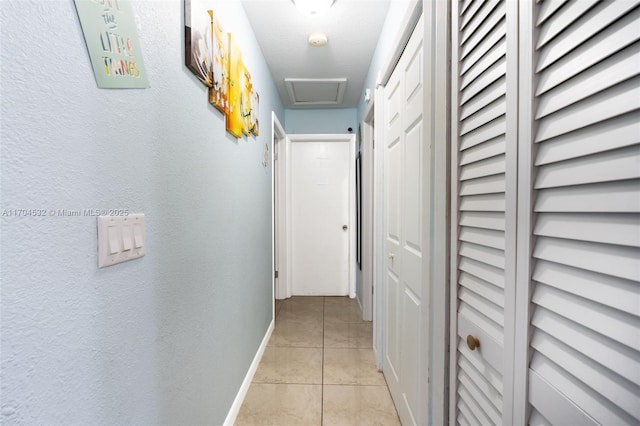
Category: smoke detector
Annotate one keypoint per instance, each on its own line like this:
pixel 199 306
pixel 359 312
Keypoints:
pixel 317 39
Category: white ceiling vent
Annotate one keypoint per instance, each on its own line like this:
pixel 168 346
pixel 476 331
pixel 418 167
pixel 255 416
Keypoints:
pixel 315 91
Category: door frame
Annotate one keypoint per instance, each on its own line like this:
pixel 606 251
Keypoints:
pixel 368 196
pixel 278 209
pixel 352 262
pixel 378 228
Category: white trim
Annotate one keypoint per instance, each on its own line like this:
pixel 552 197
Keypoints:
pixel 454 217
pixel 246 383
pixel 293 138
pixel 353 245
pixel 511 204
pixel 525 216
pixel 287 219
pixel 409 21
pixel 441 146
pixel 368 195
pixel 369 110
pixel 378 230
pixel 279 150
pixel 428 185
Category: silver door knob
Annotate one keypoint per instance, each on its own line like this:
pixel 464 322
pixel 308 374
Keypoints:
pixel 345 227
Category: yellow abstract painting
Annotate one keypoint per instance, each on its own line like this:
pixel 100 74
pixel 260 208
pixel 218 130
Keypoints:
pixel 235 121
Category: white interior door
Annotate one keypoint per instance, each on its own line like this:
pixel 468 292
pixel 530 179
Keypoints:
pixel 320 215
pixel 405 145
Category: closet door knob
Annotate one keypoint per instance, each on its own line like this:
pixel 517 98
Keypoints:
pixel 473 342
pixel 345 227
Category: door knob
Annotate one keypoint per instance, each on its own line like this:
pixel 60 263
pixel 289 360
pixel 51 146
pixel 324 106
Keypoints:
pixel 473 342
pixel 344 227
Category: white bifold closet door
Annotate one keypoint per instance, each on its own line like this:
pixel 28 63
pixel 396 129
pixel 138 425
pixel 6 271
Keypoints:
pixel 405 148
pixel 584 366
pixel 545 272
pixel 484 125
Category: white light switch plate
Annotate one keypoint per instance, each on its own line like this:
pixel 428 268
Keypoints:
pixel 120 238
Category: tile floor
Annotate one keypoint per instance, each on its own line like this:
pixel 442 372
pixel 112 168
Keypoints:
pixel 318 369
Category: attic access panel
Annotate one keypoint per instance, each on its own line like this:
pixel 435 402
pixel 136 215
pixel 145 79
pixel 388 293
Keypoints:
pixel 315 91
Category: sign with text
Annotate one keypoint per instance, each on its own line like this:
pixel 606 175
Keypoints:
pixel 112 40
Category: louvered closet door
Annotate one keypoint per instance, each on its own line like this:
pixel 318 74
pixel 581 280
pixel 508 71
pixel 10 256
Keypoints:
pixel 484 123
pixel 585 329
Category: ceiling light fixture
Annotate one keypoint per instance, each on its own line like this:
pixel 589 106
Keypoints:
pixel 317 39
pixel 313 7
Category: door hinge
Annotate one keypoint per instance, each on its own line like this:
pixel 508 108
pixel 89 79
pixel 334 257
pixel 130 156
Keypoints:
pixel 276 274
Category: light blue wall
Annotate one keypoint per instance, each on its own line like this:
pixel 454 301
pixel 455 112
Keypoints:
pixel 166 339
pixel 388 35
pixel 320 120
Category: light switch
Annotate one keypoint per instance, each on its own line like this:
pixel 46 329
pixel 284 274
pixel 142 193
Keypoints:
pixel 127 244
pixel 120 238
pixel 114 239
pixel 137 235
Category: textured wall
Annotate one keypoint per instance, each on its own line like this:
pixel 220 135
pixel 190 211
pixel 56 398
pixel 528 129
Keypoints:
pixel 164 339
pixel 320 120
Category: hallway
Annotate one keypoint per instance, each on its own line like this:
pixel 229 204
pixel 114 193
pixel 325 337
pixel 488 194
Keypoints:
pixel 318 369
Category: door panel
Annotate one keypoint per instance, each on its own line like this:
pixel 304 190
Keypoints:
pixel 483 144
pixel 410 361
pixel 392 331
pixel 566 350
pixel 320 208
pixel 585 322
pixel 412 211
pixel 404 230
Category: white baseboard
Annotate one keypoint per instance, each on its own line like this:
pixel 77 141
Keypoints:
pixel 242 392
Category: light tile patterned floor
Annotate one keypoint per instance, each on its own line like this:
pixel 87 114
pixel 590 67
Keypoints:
pixel 318 369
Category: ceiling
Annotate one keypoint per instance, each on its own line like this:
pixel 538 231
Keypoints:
pixel 352 28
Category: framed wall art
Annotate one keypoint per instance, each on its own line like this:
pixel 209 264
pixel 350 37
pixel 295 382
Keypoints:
pixel 112 42
pixel 235 121
pixel 218 95
pixel 245 101
pixel 254 127
pixel 214 57
pixel 198 40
